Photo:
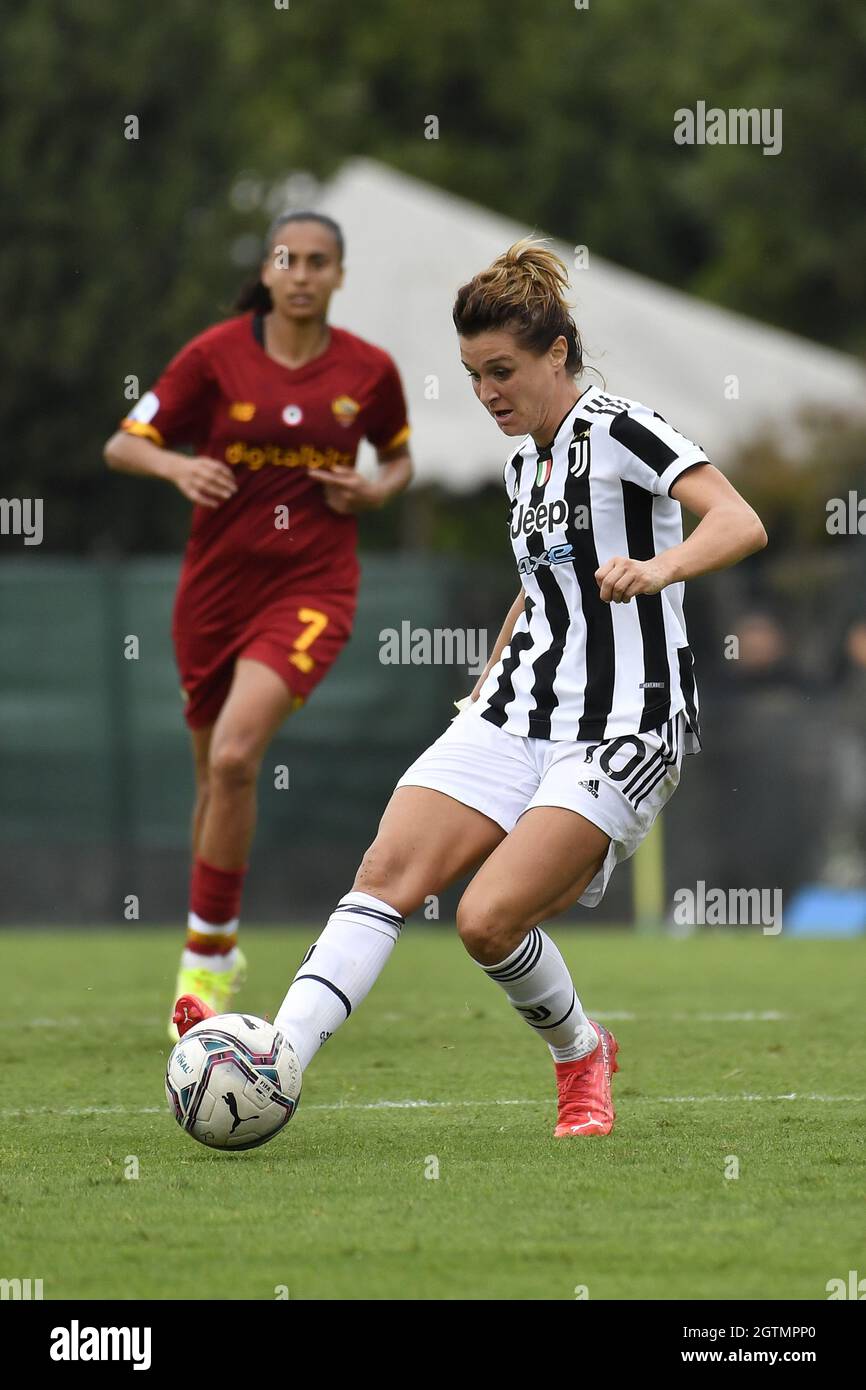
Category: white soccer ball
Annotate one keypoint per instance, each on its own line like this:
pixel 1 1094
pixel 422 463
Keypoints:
pixel 233 1081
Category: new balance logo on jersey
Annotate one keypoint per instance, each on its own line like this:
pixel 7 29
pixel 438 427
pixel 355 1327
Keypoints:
pixel 556 555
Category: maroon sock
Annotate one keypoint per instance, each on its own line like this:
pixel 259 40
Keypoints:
pixel 215 894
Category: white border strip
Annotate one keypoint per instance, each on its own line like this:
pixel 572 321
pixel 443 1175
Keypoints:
pixel 608 1016
pixel 746 1097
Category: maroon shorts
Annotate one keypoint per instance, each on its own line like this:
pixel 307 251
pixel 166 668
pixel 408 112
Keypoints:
pixel 299 636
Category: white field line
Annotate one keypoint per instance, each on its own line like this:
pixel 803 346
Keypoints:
pixel 76 1111
pixel 606 1016
pixel 743 1016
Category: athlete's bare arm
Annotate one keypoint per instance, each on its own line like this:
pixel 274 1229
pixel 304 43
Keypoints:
pixel 395 471
pixel 348 491
pixel 729 530
pixel 201 480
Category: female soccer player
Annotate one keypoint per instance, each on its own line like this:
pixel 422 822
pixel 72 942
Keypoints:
pixel 274 403
pixel 573 738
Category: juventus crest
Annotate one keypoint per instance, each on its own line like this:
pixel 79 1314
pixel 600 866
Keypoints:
pixel 578 453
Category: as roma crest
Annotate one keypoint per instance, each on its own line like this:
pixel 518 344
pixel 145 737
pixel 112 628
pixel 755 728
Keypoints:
pixel 344 410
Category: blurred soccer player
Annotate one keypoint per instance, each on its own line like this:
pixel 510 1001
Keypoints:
pixel 573 739
pixel 274 403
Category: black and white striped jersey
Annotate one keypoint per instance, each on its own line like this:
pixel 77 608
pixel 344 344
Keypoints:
pixel 576 667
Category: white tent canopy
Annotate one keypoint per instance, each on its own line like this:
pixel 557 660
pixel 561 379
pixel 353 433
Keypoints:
pixel 409 247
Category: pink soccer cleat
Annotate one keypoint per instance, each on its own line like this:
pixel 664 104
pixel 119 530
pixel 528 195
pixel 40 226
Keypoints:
pixel 190 1010
pixel 585 1100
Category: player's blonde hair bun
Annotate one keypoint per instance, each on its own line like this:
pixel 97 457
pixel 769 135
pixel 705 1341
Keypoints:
pixel 524 290
pixel 530 273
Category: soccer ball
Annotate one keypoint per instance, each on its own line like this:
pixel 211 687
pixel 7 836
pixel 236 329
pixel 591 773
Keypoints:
pixel 233 1081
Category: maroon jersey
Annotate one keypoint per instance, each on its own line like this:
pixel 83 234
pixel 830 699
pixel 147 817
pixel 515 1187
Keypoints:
pixel 274 550
pixel 227 398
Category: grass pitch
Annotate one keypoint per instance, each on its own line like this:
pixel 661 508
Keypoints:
pixel 713 1032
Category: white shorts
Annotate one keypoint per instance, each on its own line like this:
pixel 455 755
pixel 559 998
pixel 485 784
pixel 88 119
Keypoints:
pixel 619 785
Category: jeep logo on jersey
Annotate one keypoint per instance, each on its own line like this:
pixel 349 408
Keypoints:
pixel 545 517
pixel 293 415
pixel 578 454
pixel 556 555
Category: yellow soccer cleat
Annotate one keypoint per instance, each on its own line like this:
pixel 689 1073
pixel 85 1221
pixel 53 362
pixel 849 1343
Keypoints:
pixel 214 987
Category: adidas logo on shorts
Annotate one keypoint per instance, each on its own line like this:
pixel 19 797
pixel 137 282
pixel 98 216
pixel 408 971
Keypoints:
pixel 591 787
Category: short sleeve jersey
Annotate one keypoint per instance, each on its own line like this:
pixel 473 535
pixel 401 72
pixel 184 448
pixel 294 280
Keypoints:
pixel 578 668
pixel 224 396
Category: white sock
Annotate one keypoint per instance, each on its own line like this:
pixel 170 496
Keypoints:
pixel 338 972
pixel 536 980
pixel 196 960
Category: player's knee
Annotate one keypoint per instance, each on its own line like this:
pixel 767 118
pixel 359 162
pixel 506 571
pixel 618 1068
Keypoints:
pixel 386 872
pixel 232 767
pixel 484 927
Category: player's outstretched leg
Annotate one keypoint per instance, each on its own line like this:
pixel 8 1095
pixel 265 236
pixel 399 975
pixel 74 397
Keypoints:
pixel 426 840
pixel 336 974
pixel 338 971
pixel 544 865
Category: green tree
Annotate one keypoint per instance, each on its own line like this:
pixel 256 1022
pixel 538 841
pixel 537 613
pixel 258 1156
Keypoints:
pixel 119 250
